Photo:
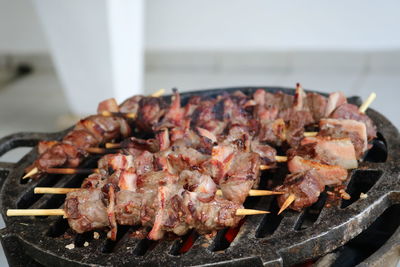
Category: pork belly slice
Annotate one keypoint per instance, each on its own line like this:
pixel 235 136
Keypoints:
pixel 341 128
pixel 350 112
pixel 329 174
pixel 332 151
pixel 113 162
pixel 306 186
pixel 110 105
pixel 335 100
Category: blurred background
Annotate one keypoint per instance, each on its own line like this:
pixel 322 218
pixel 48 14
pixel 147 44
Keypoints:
pixel 58 59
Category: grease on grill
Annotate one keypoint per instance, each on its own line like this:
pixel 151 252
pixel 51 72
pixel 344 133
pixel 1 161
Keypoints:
pixel 361 182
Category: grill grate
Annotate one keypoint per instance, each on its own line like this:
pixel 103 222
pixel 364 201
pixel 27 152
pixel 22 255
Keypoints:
pixel 260 240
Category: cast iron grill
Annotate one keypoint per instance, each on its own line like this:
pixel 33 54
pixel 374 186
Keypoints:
pixel 271 240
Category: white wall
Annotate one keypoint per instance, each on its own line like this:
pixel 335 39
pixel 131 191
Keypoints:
pixel 271 24
pixel 236 25
pixel 20 30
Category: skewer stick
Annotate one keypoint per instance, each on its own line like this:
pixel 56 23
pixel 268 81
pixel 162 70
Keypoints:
pixel 54 190
pixel 112 145
pixel 158 93
pixel 367 102
pixel 58 190
pixel 35 212
pixel 280 158
pixel 31 173
pixel 310 134
pixel 61 212
pixel 88 171
pixel 287 203
pixel 71 171
pixel 243 212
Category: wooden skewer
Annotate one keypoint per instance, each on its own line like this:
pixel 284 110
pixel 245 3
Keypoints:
pixel 58 190
pixel 54 190
pixel 88 171
pixel 310 134
pixel 71 171
pixel 61 212
pixel 287 203
pixel 31 173
pixel 35 212
pixel 367 102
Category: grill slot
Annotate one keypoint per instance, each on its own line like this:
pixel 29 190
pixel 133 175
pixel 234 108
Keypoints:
pixel 379 151
pixel 225 237
pixel 270 222
pixel 370 240
pixel 58 228
pixel 144 245
pixel 184 244
pixel 29 198
pixel 80 239
pixel 122 234
pixel 361 182
pixel 311 214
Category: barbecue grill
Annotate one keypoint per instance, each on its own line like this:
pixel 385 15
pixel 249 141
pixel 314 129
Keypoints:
pixel 269 240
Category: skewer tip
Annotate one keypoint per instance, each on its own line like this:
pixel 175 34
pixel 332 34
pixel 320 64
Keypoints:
pixel 367 102
pixel 243 212
pixel 287 203
pixel 158 93
pixel 31 173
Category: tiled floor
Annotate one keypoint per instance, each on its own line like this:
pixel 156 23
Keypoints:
pixel 36 102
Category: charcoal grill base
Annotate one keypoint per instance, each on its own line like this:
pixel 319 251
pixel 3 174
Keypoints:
pixel 283 245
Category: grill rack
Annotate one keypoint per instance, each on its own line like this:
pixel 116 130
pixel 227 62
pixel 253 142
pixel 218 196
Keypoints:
pixel 270 239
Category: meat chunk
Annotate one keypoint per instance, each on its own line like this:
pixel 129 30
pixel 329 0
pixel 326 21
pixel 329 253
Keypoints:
pixel 351 112
pixel 339 128
pixel 317 105
pixel 329 174
pixel 85 210
pixel 335 100
pixel 329 151
pixel 150 111
pixel 110 105
pixel 306 186
pixel 243 174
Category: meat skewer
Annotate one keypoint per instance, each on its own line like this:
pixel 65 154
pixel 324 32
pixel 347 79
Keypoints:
pixel 89 132
pixel 58 190
pixel 61 212
pixel 329 127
